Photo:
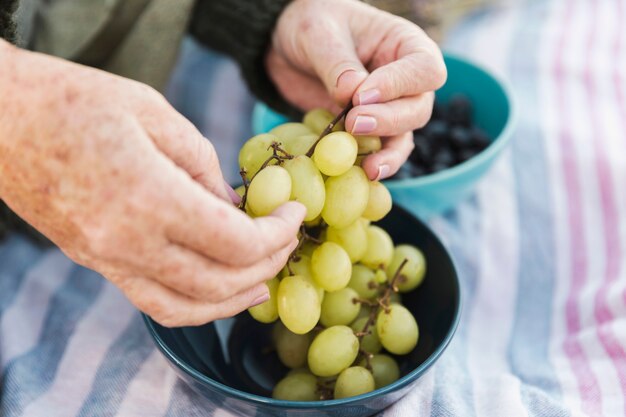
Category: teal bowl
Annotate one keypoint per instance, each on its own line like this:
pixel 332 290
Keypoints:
pixel 494 112
pixel 229 365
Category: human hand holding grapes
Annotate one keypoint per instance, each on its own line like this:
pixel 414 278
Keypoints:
pixel 326 53
pixel 124 185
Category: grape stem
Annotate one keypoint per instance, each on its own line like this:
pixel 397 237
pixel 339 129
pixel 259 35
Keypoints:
pixel 381 302
pixel 330 127
pixel 276 149
pixel 304 237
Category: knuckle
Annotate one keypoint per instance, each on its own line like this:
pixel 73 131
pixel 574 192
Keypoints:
pixel 436 70
pixel 395 122
pixel 158 310
pixel 217 293
pixel 168 318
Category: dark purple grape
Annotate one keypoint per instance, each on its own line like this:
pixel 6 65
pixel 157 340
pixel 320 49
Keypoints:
pixel 460 137
pixel 443 157
pixel 439 167
pixel 423 150
pixel 480 140
pixel 465 154
pixel 436 130
pixel 439 112
pixel 459 111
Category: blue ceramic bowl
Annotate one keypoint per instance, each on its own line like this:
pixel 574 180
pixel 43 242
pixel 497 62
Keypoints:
pixel 228 363
pixel 493 112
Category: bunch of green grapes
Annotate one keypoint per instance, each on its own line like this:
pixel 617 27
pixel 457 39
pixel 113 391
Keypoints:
pixel 336 304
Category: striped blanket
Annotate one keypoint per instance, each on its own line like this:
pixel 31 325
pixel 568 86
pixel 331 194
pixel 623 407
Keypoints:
pixel 540 247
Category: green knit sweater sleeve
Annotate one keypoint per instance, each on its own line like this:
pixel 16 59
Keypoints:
pixel 242 29
pixel 7 27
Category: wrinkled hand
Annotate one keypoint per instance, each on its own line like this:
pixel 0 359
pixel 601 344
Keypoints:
pixel 123 184
pixel 325 53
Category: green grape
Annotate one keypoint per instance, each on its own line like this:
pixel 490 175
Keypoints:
pixel 371 342
pixel 291 348
pixel 298 304
pixel 256 151
pixel 302 267
pixel 318 119
pixel 379 248
pixel 332 351
pixel 365 222
pixel 346 198
pixel 380 276
pixel 352 238
pixel 270 188
pixel 339 307
pixel 288 131
pixel 296 387
pixel 412 273
pixel 331 266
pixel 397 329
pixel 379 202
pixel 299 145
pixel 307 185
pixel 316 221
pixel 353 381
pixel 368 144
pixel 267 312
pixel 335 153
pixel 384 369
pixel 240 190
pixel 363 281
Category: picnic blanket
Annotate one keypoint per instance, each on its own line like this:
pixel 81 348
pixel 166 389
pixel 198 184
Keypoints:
pixel 540 247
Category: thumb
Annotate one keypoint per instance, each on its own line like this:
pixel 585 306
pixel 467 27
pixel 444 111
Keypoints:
pixel 183 144
pixel 333 56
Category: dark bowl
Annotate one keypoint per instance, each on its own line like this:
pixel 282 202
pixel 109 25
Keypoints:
pixel 228 362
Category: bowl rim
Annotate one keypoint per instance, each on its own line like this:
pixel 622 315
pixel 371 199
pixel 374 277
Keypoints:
pixel 481 158
pixel 259 399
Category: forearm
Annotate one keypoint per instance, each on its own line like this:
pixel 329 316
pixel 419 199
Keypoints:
pixel 7 27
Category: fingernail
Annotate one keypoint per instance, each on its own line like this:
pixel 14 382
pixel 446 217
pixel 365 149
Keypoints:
pixel 260 299
pixel 350 76
pixel 383 172
pixel 363 125
pixel 234 197
pixel 369 97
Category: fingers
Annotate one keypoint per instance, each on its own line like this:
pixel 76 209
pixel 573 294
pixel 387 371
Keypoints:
pixel 388 160
pixel 180 141
pixel 197 277
pixel 304 91
pixel 417 67
pixel 391 118
pixel 335 59
pixel 172 309
pixel 219 231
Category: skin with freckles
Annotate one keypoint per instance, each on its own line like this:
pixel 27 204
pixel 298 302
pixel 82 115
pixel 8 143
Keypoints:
pixel 123 184
pixel 325 53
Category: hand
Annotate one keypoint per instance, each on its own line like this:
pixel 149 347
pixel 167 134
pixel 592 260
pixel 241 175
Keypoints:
pixel 325 53
pixel 125 185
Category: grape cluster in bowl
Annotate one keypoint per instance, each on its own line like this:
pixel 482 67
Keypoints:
pixel 336 305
